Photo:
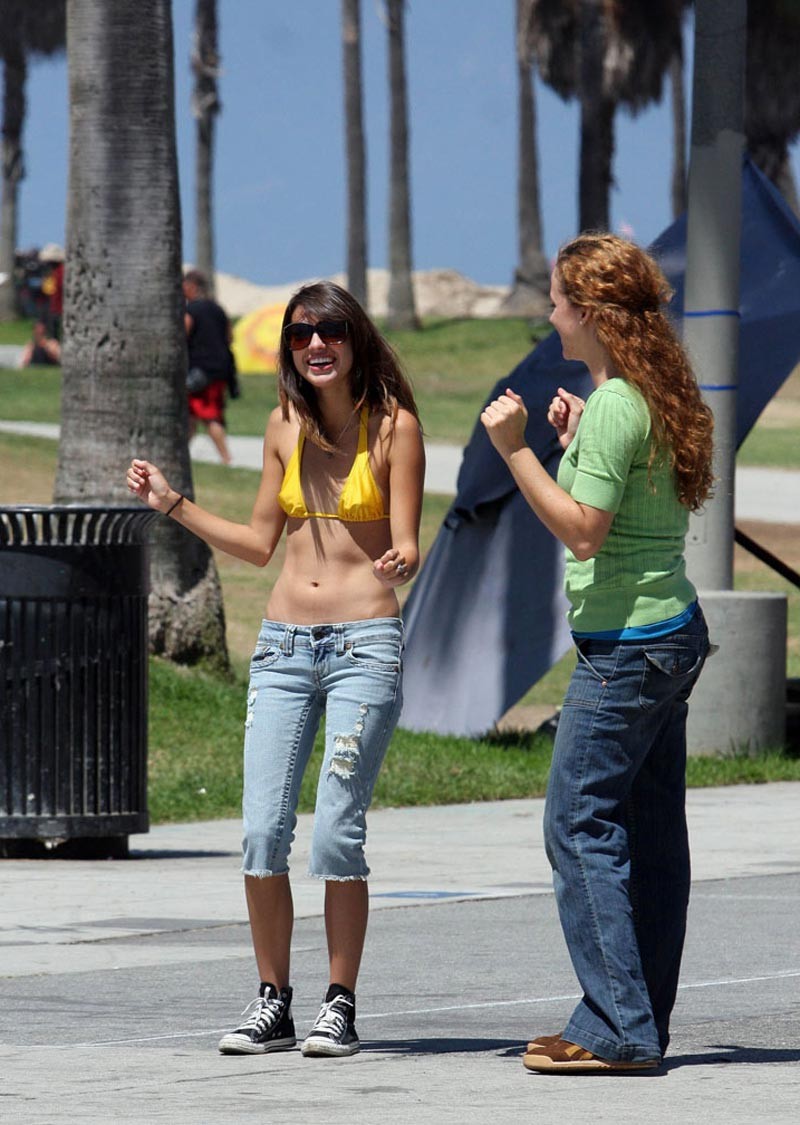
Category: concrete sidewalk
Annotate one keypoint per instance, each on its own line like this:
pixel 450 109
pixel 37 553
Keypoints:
pixel 771 495
pixel 117 978
pixel 58 916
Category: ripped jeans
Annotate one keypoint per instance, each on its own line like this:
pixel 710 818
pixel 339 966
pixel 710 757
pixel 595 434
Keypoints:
pixel 352 673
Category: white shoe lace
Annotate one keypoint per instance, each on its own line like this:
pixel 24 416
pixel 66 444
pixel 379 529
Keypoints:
pixel 332 1018
pixel 265 1013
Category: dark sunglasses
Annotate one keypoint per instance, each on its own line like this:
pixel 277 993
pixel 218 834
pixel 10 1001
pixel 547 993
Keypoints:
pixel 298 335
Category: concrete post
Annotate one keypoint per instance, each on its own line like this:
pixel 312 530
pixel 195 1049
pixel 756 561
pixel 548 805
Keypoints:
pixel 739 703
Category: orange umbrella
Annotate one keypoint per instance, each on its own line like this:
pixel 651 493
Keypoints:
pixel 256 339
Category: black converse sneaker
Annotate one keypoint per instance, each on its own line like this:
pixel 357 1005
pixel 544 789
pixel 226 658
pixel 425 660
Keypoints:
pixel 334 1032
pixel 269 1025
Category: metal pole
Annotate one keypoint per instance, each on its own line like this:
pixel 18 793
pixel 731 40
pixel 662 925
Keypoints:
pixel 711 301
pixel 740 700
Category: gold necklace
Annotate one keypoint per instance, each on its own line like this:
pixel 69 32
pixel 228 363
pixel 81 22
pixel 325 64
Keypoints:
pixel 330 452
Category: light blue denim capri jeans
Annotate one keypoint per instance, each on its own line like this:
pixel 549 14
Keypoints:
pixel 350 672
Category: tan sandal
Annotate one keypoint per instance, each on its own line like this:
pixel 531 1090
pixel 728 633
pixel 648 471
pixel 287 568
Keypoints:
pixel 562 1056
pixel 543 1041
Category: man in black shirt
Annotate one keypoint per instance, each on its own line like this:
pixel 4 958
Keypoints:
pixel 211 363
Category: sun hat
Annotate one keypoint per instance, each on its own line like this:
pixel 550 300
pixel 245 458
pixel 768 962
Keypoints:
pixel 52 252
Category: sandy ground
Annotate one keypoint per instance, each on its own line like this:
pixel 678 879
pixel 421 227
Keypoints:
pixel 443 292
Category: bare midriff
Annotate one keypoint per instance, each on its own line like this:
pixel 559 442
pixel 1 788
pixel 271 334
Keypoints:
pixel 327 574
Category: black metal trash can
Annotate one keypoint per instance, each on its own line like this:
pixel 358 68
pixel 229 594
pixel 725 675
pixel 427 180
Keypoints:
pixel 73 677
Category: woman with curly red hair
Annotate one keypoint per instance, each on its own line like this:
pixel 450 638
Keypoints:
pixel 637 460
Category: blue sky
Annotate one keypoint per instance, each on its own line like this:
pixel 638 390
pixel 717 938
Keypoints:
pixel 280 173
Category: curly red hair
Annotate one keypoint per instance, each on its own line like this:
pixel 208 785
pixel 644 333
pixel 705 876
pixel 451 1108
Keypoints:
pixel 626 293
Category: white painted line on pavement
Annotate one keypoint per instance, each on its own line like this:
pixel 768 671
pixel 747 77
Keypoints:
pixel 782 974
pixel 747 898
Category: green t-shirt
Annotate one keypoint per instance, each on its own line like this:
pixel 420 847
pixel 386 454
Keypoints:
pixel 638 576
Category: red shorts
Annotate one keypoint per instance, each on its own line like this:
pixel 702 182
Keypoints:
pixel 209 405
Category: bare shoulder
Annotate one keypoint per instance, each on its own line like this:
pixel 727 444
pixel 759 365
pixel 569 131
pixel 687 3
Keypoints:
pixel 281 432
pixel 403 426
pixel 407 424
pixel 402 441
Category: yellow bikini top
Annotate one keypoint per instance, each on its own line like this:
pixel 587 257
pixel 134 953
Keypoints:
pixel 360 499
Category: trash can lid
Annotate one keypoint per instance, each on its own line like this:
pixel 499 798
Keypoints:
pixel 29 525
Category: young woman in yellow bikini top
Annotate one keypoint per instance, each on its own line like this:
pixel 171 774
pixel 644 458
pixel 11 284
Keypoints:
pixel 332 643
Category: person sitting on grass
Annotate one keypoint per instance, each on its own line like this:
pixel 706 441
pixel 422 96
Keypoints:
pixel 41 350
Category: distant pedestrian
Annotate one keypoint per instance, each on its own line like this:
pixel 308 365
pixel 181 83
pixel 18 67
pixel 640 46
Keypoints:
pixel 343 474
pixel 211 363
pixel 637 460
pixel 52 258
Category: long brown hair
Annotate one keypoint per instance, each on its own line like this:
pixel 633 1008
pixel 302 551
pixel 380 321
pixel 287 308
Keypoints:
pixel 377 376
pixel 626 292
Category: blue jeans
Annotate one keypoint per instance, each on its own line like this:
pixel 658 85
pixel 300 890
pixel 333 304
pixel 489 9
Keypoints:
pixel 615 833
pixel 350 672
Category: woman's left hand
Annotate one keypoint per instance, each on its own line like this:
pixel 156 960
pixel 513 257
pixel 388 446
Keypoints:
pixel 505 420
pixel 391 568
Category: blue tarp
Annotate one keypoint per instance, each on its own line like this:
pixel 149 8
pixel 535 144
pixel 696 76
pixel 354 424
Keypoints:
pixel 486 617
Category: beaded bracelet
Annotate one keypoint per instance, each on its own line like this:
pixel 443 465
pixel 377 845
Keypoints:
pixel 170 510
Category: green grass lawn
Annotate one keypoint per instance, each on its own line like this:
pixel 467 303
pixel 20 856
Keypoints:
pixel 31 395
pixel 771 447
pixel 15 331
pixel 195 761
pixel 453 365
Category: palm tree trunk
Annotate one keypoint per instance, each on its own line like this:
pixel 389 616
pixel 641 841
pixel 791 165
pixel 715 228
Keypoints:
pixel 679 200
pixel 529 295
pixel 205 107
pixel 597 121
pixel 14 76
pixel 124 358
pixel 356 152
pixel 401 312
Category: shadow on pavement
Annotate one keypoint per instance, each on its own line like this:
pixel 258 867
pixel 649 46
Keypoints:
pixel 188 853
pixel 733 1054
pixel 442 1046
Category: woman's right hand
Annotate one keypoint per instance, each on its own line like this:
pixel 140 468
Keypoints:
pixel 564 415
pixel 150 485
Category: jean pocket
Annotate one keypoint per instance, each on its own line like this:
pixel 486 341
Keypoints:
pixel 668 670
pixel 375 654
pixel 264 656
pixel 600 662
